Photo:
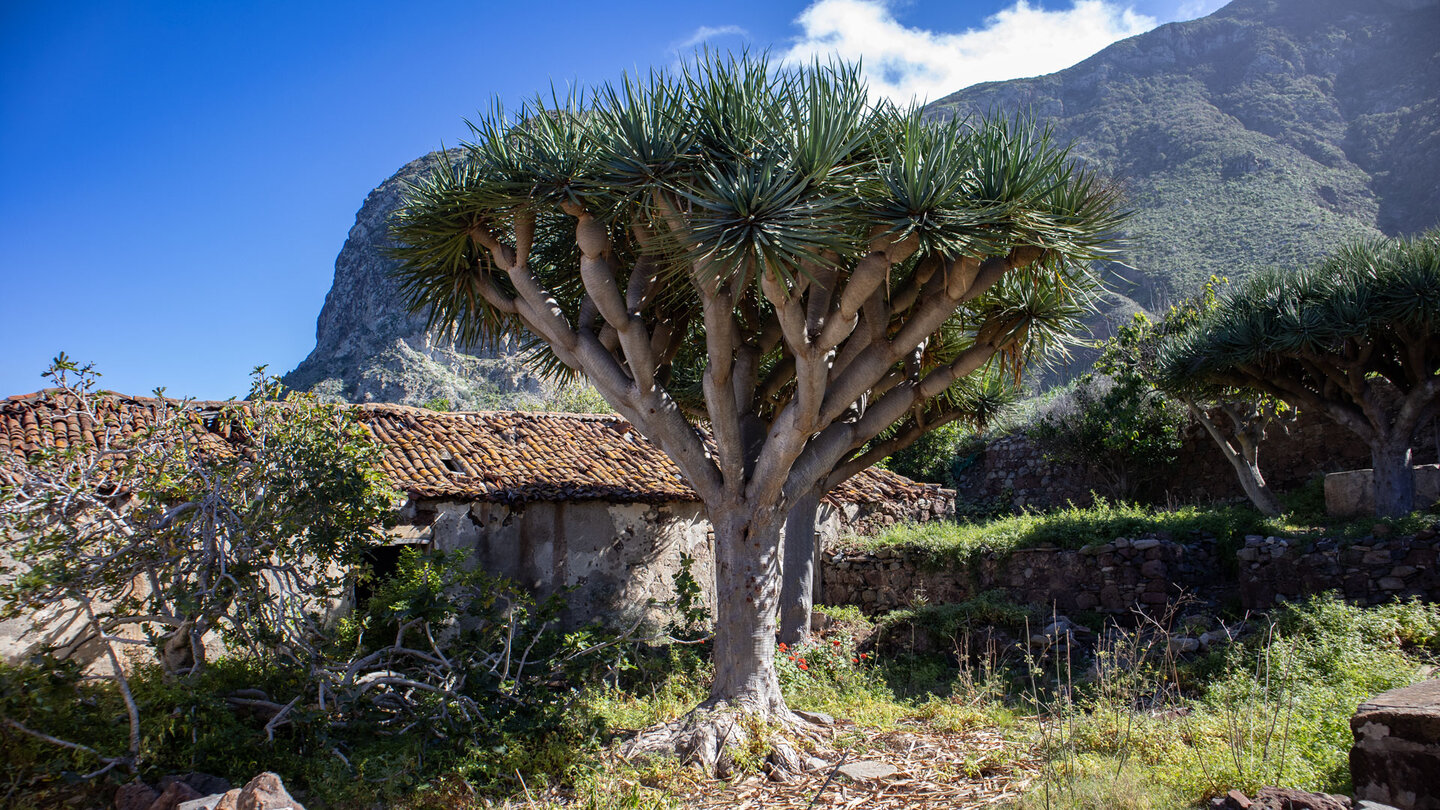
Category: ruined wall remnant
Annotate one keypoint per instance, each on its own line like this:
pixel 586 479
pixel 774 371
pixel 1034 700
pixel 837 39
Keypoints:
pixel 1396 757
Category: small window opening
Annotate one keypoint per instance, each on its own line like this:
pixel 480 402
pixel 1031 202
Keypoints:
pixel 452 465
pixel 381 562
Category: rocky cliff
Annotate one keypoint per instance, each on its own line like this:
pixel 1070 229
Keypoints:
pixel 368 347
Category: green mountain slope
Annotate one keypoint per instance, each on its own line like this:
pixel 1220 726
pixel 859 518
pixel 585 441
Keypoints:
pixel 1265 134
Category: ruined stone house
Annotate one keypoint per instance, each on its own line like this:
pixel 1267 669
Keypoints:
pixel 551 500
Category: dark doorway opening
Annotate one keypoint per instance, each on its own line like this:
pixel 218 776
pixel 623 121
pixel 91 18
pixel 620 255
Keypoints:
pixel 381 563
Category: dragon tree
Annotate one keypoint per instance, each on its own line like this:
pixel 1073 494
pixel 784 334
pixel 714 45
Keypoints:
pixel 763 270
pixel 1353 337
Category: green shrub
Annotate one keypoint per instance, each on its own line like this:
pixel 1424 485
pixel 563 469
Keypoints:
pixel 1117 428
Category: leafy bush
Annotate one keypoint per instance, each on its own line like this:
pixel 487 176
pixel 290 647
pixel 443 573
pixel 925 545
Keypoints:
pixel 448 672
pixel 1116 427
pixel 931 458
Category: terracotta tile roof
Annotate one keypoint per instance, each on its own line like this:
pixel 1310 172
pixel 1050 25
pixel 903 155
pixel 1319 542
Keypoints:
pixel 500 456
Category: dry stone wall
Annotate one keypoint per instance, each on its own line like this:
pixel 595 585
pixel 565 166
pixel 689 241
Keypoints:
pixel 1118 577
pixel 1371 570
pixel 1112 578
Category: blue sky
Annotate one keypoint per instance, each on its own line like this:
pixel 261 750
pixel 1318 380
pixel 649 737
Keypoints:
pixel 178 176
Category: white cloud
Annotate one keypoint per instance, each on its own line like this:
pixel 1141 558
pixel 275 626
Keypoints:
pixel 1193 9
pixel 906 63
pixel 706 33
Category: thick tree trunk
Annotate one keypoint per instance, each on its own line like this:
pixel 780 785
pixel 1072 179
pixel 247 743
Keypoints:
pixel 1394 478
pixel 797 588
pixel 747 595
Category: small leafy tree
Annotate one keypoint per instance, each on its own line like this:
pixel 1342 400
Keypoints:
pixel 1247 413
pixel 763 271
pixel 1333 337
pixel 242 520
pixel 1116 427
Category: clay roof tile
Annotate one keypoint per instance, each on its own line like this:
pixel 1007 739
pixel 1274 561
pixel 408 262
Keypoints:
pixel 499 456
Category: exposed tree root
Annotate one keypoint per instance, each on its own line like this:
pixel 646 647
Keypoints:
pixel 723 737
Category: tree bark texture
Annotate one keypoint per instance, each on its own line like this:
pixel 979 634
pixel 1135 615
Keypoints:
pixel 802 551
pixel 747 596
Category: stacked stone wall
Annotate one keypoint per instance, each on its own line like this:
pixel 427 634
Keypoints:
pixel 1370 571
pixel 1109 578
pixel 1117 577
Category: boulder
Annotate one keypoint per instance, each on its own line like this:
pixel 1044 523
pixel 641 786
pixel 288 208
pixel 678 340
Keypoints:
pixel 135 796
pixel 175 794
pixel 266 792
pixel 1396 756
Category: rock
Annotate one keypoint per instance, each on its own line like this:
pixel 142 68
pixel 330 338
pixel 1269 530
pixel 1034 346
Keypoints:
pixel 1274 798
pixel 1396 756
pixel 1058 627
pixel 1145 543
pixel 818 718
pixel 204 783
pixel 1183 644
pixel 1369 805
pixel 230 801
pixel 863 770
pixel 135 796
pixel 266 792
pixel 816 764
pixel 1211 638
pixel 1234 800
pixel 204 803
pixel 176 793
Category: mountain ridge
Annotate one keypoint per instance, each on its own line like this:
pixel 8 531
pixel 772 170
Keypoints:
pixel 1267 133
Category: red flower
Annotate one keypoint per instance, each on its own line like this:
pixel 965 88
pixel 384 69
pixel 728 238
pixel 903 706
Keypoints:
pixel 783 648
pixel 854 660
pixel 802 665
pixel 836 643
